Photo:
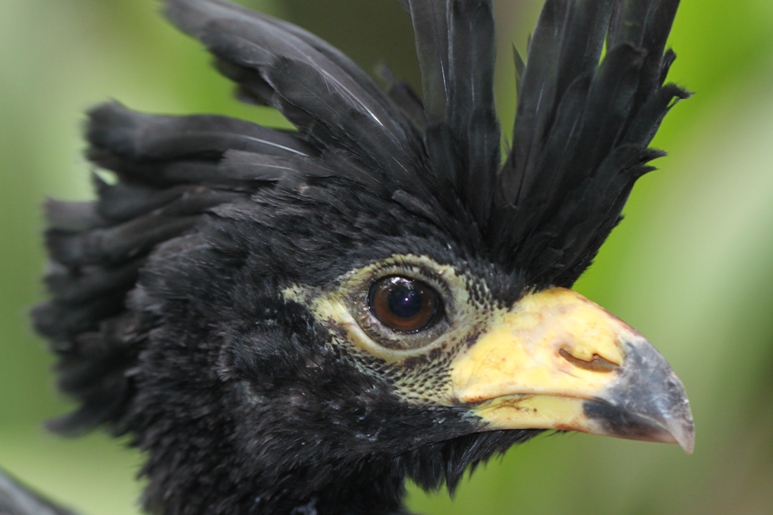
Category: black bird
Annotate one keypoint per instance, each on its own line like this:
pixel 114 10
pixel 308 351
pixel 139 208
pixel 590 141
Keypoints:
pixel 296 322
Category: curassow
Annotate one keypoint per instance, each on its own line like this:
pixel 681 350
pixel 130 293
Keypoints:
pixel 297 322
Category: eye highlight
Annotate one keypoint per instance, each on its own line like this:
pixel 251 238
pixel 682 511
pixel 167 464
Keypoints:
pixel 404 305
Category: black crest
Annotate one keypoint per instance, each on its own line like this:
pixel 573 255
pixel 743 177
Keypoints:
pixel 581 133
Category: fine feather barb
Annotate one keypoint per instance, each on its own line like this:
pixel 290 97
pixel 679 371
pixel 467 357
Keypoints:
pixel 644 23
pixel 324 81
pixel 647 24
pixel 456 45
pixel 71 216
pixel 566 45
pixel 162 174
pixel 121 201
pixel 246 174
pixel 64 322
pixel 535 95
pixel 582 129
pixel 71 288
pixel 430 27
pixel 402 94
pixel 559 148
pixel 143 137
pixel 92 368
pixel 115 244
pixel 472 112
pixel 582 41
pixel 642 128
pixel 609 102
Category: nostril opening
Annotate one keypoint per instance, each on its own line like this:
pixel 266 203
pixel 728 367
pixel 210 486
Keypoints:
pixel 597 364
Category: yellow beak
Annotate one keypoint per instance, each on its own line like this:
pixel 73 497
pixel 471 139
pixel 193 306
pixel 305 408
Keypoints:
pixel 556 360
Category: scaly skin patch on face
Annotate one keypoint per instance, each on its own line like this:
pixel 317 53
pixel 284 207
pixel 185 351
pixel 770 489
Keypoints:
pixel 418 371
pixel 346 305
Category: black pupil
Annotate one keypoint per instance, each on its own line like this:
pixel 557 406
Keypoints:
pixel 403 305
pixel 404 300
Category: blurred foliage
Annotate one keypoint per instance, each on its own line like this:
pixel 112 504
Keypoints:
pixel 691 267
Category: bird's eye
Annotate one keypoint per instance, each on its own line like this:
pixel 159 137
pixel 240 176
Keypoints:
pixel 404 305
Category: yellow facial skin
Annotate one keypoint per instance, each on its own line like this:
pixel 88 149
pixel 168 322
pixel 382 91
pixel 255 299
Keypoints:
pixel 521 350
pixel 519 368
pixel 541 363
pixel 553 360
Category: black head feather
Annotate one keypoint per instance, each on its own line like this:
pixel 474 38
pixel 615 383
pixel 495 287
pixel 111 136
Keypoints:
pixel 166 311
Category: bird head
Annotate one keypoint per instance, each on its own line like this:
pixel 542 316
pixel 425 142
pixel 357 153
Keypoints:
pixel 302 320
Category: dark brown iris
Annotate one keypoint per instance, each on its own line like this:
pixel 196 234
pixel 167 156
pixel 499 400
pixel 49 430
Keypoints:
pixel 404 305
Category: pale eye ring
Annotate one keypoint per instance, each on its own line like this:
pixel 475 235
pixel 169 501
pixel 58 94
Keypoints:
pixel 404 305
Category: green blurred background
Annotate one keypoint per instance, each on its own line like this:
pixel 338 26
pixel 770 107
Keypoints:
pixel 691 267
